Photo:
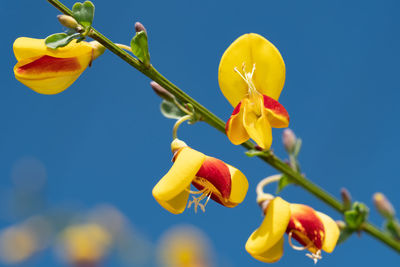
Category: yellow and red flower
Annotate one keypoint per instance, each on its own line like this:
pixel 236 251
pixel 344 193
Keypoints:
pixel 251 76
pixel 212 177
pixel 312 229
pixel 51 71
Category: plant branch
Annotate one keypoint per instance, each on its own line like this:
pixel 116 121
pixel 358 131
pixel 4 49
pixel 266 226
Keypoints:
pixel 218 124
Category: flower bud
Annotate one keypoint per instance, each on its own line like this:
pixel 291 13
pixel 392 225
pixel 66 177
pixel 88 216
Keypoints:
pixel 289 140
pixel 68 21
pixel 162 92
pixel 383 205
pixel 346 198
pixel 139 27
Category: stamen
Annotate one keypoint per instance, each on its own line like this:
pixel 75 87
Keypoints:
pixel 195 192
pixel 205 193
pixel 248 78
pixel 297 247
pixel 315 256
pixel 235 69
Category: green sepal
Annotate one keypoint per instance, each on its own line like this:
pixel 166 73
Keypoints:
pixel 57 40
pixel 140 48
pixel 297 147
pixel 393 227
pixel 344 235
pixel 283 182
pixel 356 216
pixel 195 116
pixel 170 110
pixel 84 14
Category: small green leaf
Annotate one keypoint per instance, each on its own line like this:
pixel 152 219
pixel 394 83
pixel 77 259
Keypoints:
pixel 283 182
pixel 140 47
pixel 59 40
pixel 84 13
pixel 170 110
pixel 356 216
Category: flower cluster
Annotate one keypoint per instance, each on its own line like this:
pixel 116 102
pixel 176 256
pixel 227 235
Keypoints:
pixel 251 76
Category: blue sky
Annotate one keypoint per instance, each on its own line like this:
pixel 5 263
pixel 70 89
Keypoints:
pixel 104 140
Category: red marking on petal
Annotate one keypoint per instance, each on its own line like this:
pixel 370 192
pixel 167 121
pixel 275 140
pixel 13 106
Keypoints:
pixel 227 125
pixel 47 64
pixel 217 173
pixel 275 107
pixel 235 111
pixel 304 222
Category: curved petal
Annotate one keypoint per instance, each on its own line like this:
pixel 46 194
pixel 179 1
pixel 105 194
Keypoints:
pixel 257 127
pixel 332 232
pixel 278 117
pixel 25 48
pixel 272 255
pixel 240 185
pixel 234 127
pixel 170 190
pixel 249 49
pixel 272 228
pixel 177 204
pixel 306 226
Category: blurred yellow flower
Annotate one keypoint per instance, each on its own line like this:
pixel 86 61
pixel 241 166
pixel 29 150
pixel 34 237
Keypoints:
pixel 85 244
pixel 251 76
pixel 51 71
pixel 184 246
pixel 17 244
pixel 312 229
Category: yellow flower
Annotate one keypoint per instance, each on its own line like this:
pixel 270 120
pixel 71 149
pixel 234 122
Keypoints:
pixel 251 76
pixel 85 244
pixel 312 229
pixel 185 246
pixel 214 178
pixel 51 71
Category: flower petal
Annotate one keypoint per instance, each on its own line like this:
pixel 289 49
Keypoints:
pixel 257 127
pixel 240 186
pixel 234 127
pixel 272 228
pixel 25 48
pixel 177 204
pixel 306 226
pixel 278 117
pixel 250 49
pixel 170 190
pixel 332 232
pixel 273 254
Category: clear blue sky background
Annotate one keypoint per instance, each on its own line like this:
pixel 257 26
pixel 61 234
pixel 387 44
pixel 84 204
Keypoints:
pixel 104 139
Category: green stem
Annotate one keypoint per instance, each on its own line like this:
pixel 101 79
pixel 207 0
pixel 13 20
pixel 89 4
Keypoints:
pixel 218 124
pixel 379 235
